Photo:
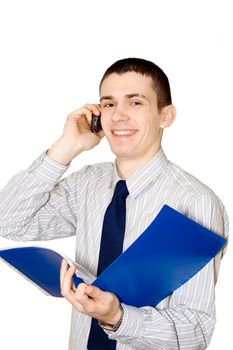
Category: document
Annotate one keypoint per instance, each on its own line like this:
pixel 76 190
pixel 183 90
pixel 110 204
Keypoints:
pixel 171 250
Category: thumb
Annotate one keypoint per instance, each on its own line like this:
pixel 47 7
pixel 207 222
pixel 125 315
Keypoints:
pixel 93 292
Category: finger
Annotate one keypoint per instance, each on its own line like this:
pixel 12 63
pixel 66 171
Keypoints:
pixel 88 110
pixel 82 298
pixel 100 133
pixel 80 113
pixel 87 304
pixel 63 269
pixel 94 108
pixel 94 292
pixel 80 293
pixel 67 282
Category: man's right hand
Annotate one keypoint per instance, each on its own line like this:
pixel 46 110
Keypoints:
pixel 77 136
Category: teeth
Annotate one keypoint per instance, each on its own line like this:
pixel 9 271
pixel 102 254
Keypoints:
pixel 121 132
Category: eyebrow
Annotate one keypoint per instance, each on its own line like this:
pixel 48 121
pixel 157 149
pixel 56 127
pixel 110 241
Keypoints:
pixel 109 97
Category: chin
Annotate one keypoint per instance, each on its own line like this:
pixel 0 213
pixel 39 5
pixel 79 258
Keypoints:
pixel 120 153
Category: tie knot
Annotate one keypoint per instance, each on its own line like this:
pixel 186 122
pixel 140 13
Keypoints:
pixel 121 189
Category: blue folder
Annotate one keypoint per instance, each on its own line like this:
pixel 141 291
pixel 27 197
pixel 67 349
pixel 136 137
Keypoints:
pixel 167 254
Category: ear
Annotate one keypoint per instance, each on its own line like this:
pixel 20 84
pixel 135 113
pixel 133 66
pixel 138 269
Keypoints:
pixel 168 116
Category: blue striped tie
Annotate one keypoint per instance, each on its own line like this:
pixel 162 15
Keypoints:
pixel 110 248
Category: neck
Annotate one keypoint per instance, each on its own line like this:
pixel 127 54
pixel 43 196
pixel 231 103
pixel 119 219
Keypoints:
pixel 126 166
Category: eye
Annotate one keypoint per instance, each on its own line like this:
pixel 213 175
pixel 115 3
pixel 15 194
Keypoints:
pixel 136 103
pixel 108 105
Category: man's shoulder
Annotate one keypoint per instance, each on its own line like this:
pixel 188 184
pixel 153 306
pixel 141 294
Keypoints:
pixel 189 182
pixel 98 168
pixel 97 171
pixel 198 201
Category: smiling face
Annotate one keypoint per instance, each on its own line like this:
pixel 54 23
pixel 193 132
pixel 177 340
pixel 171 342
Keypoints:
pixel 130 117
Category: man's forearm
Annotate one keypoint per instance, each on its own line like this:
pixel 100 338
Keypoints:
pixel 26 194
pixel 185 319
pixel 63 151
pixel 172 328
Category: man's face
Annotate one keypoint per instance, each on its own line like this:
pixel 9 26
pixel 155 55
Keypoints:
pixel 129 116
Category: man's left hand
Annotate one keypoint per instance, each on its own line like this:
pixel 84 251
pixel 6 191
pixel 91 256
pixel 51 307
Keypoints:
pixel 90 300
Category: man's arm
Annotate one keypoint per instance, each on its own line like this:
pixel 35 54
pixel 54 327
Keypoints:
pixel 35 205
pixel 185 320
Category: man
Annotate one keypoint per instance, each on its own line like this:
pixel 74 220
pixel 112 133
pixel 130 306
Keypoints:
pixel 135 107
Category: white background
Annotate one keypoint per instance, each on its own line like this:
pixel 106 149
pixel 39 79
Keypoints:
pixel 53 54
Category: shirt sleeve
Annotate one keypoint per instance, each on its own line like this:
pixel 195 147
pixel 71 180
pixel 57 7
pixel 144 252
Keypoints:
pixel 186 319
pixel 35 205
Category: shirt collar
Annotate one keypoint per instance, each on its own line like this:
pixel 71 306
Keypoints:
pixel 145 175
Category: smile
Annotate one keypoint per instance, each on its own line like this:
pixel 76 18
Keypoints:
pixel 123 132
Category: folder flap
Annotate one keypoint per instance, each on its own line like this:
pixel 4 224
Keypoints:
pixel 169 252
pixel 40 265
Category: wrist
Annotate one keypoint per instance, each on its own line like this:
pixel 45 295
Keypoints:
pixel 115 323
pixel 64 151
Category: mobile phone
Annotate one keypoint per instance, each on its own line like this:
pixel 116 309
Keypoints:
pixel 95 123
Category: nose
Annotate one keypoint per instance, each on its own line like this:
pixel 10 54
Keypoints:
pixel 119 114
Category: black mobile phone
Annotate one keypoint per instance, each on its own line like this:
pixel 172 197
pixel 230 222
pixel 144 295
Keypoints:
pixel 95 123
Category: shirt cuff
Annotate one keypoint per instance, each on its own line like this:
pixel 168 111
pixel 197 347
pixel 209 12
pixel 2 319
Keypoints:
pixel 48 168
pixel 131 325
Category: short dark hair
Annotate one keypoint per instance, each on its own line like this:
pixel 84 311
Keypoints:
pixel 138 65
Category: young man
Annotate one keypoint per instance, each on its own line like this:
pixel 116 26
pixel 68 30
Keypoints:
pixel 135 107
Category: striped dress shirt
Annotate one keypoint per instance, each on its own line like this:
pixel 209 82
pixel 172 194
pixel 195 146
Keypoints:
pixel 37 204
